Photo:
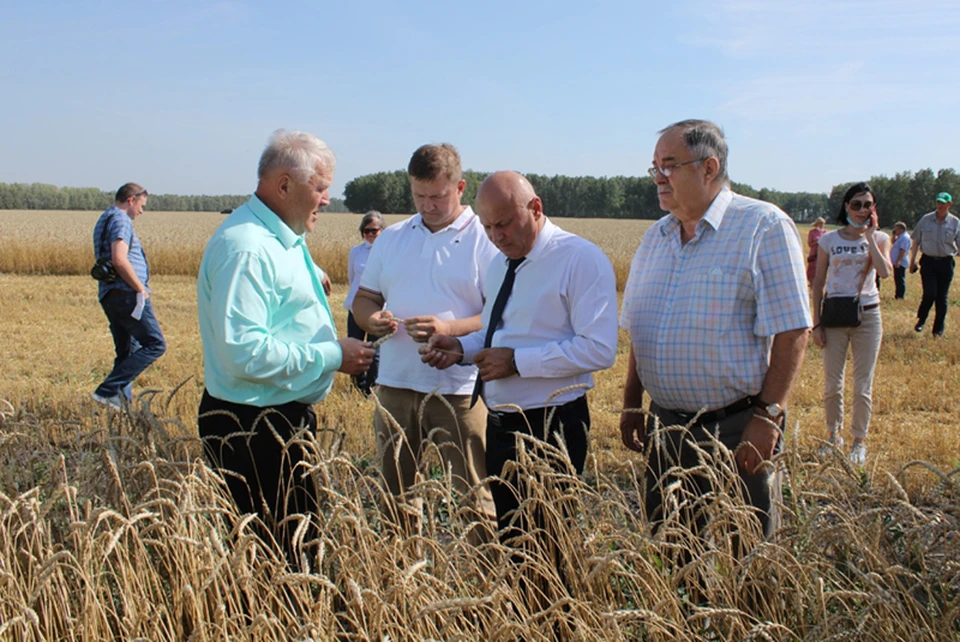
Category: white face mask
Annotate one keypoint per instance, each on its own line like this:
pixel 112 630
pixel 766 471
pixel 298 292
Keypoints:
pixel 857 225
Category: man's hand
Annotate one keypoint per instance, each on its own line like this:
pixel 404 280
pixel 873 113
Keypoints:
pixel 633 430
pixel 495 363
pixel 357 356
pixel 757 444
pixel 382 323
pixel 441 352
pixel 422 328
pixel 819 336
pixel 327 286
pixel 913 267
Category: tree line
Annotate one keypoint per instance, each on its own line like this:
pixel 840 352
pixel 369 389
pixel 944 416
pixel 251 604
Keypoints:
pixel 40 196
pixel 906 196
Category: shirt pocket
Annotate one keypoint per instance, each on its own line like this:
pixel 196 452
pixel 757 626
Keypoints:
pixel 710 304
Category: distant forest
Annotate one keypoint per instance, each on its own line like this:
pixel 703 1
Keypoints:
pixel 39 196
pixel 904 197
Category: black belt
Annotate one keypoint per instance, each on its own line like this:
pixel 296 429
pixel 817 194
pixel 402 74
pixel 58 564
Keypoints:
pixel 716 415
pixel 935 258
pixel 533 416
pixel 871 306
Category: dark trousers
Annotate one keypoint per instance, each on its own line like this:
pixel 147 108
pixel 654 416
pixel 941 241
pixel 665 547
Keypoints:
pixel 365 381
pixel 900 281
pixel 137 343
pixel 570 421
pixel 673 458
pixel 252 448
pixel 936 273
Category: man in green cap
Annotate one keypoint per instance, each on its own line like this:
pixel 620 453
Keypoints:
pixel 937 237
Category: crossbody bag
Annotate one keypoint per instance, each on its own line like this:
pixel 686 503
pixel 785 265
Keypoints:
pixel 844 311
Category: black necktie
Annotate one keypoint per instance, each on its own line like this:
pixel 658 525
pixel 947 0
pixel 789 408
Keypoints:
pixel 496 315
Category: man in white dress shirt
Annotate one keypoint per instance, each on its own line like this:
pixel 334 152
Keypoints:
pixel 425 276
pixel 556 327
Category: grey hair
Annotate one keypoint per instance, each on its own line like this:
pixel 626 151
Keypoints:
pixel 371 216
pixel 704 139
pixel 296 152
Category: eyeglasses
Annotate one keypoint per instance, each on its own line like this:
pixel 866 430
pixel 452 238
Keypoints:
pixel 370 230
pixel 668 170
pixel 856 205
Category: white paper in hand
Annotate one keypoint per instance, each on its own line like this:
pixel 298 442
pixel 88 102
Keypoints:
pixel 138 308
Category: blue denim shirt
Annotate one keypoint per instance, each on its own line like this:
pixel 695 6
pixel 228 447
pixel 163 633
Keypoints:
pixel 268 334
pixel 119 227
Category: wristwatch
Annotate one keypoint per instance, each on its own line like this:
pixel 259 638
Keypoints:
pixel 772 411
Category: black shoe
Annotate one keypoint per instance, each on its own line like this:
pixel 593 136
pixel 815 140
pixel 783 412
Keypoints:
pixel 938 334
pixel 918 327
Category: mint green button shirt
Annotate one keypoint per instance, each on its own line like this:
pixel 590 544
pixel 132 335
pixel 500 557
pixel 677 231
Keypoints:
pixel 268 334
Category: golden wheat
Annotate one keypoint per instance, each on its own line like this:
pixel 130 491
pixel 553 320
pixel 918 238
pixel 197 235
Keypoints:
pixel 111 527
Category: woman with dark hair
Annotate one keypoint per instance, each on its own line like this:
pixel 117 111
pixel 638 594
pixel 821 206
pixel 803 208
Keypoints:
pixel 847 260
pixel 370 227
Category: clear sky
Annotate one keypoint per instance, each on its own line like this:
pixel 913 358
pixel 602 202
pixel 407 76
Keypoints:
pixel 181 96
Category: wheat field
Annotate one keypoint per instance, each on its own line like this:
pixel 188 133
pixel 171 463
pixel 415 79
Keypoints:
pixel 112 527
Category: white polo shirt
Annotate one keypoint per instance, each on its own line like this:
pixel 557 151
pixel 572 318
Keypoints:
pixel 560 319
pixel 419 272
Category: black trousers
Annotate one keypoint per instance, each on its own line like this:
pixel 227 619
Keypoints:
pixel 900 281
pixel 673 458
pixel 936 273
pixel 571 421
pixel 261 465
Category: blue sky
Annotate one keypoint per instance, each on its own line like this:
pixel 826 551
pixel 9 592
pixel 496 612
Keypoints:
pixel 181 96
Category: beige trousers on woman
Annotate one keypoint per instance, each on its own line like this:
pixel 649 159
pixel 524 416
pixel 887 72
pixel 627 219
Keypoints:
pixel 864 342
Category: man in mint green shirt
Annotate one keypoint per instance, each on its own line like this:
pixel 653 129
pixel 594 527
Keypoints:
pixel 270 347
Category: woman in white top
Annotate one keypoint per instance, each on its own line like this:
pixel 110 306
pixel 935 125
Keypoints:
pixel 370 227
pixel 850 258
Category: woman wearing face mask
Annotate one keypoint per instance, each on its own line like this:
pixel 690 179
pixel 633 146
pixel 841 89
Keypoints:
pixel 848 260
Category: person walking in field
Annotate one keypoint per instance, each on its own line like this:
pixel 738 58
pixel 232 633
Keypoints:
pixel 937 237
pixel 370 227
pixel 717 309
pixel 848 262
pixel 426 276
pixel 270 347
pixel 137 338
pixel 900 258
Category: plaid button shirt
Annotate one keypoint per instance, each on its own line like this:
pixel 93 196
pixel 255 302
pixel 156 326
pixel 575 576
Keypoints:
pixel 702 316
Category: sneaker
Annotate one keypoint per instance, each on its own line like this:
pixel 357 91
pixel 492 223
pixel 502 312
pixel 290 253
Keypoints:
pixel 115 402
pixel 833 442
pixel 858 455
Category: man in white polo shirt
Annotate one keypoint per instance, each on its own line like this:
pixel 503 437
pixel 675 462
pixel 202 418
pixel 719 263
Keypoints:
pixel 425 276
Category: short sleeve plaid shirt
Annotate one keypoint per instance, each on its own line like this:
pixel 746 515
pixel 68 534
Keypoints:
pixel 702 316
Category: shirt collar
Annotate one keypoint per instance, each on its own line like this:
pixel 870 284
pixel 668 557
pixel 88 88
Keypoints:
pixel 457 226
pixel 712 217
pixel 540 243
pixel 274 223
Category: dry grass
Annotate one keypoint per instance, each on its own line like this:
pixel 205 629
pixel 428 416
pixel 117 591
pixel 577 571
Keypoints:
pixel 111 528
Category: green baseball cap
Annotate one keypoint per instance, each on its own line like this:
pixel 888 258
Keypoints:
pixel 943 197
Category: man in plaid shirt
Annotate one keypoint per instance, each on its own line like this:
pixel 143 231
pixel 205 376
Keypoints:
pixel 718 313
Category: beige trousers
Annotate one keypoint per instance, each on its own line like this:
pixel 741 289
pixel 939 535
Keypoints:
pixel 458 437
pixel 864 342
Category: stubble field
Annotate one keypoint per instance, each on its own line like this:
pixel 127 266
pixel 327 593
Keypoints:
pixel 119 505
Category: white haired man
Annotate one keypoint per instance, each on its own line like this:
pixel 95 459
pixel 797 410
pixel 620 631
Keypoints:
pixel 270 347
